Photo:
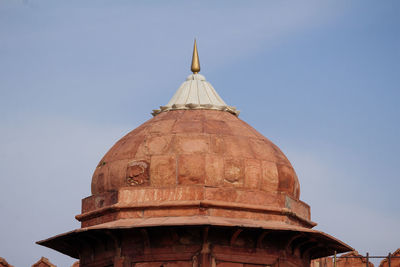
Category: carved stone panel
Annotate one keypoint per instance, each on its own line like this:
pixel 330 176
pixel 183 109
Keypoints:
pixel 137 173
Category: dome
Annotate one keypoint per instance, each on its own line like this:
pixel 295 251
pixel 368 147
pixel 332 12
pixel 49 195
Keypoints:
pixel 195 147
pixel 195 157
pixel 198 179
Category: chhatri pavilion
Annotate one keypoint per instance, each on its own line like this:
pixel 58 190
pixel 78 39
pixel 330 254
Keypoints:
pixel 195 186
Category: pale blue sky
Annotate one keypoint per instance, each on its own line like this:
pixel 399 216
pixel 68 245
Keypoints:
pixel 319 78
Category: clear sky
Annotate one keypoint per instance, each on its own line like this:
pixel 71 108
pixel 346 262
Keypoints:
pixel 318 78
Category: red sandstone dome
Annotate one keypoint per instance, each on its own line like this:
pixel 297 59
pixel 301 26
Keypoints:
pixel 195 177
pixel 195 158
pixel 196 147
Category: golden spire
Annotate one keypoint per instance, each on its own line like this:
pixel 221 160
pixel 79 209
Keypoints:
pixel 195 60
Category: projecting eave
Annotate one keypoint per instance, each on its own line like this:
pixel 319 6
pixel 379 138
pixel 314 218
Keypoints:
pixel 316 243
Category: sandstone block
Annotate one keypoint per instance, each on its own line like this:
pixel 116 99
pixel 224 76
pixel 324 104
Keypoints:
pixel 269 179
pixel 252 173
pixel 214 170
pixel 189 126
pixel 163 170
pixel 159 144
pixel 196 143
pixel 191 169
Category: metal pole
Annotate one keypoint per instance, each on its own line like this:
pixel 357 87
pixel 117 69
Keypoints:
pixel 334 260
pixel 367 259
pixel 390 259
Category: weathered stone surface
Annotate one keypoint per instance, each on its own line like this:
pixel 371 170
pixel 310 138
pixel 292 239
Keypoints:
pixel 157 145
pixel 234 172
pixel 263 149
pixel 208 153
pixel 192 143
pixel 159 195
pixel 163 170
pixel 270 177
pixel 191 169
pixel 167 212
pixel 231 149
pixel 189 126
pixel 287 182
pixel 238 147
pixel 137 173
pixel 217 127
pixel 214 171
pixel 163 126
pixel 252 173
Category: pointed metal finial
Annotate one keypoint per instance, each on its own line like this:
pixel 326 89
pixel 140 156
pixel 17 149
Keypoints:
pixel 195 60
